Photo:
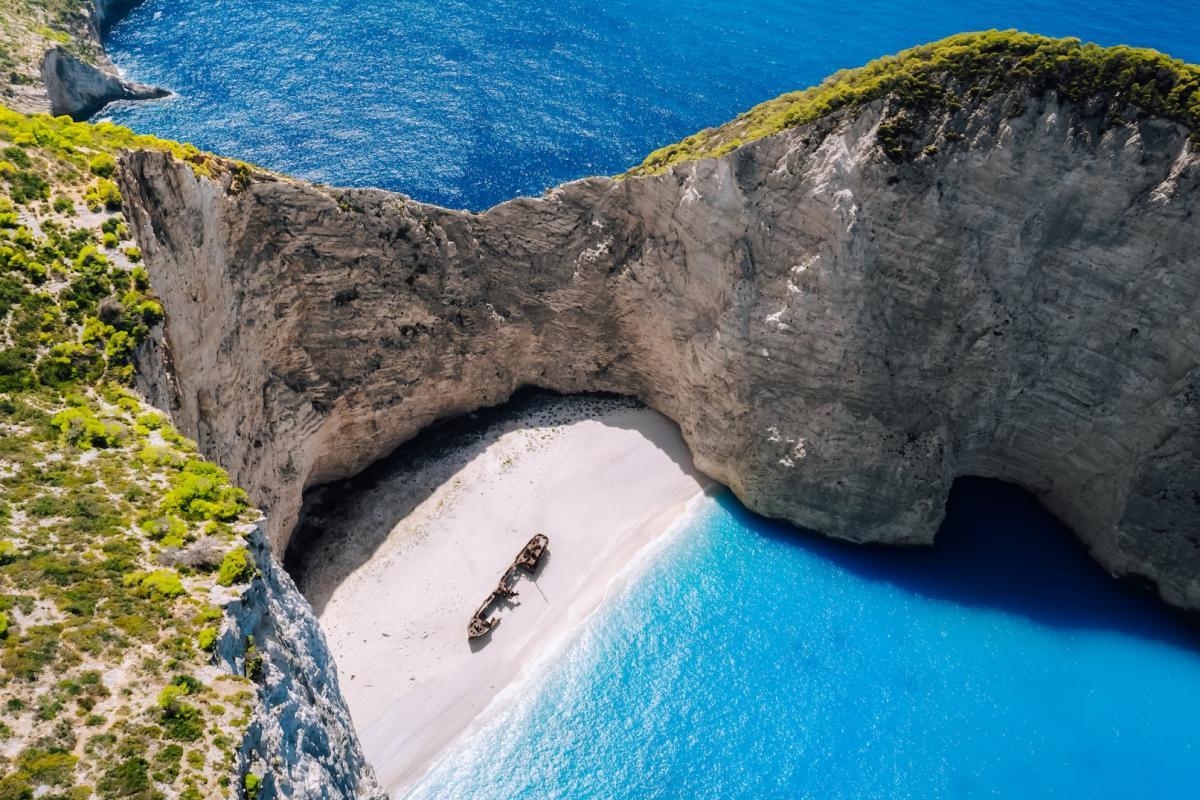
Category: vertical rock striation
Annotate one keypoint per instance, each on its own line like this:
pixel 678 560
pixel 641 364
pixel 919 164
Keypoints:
pixel 838 334
pixel 301 741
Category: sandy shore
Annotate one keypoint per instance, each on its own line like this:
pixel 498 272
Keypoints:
pixel 402 561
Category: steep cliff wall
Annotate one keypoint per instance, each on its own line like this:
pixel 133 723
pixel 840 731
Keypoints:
pixel 300 741
pixel 79 89
pixel 838 333
pixel 58 61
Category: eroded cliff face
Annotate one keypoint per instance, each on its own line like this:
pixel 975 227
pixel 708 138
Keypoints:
pixel 301 741
pixel 838 335
pixel 79 89
pixel 58 61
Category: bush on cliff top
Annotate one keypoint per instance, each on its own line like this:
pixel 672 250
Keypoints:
pixel 236 567
pixel 990 61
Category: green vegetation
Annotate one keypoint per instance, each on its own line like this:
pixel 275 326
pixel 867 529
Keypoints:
pixel 207 639
pixel 77 148
pixel 976 65
pixel 237 567
pixel 102 164
pixel 103 195
pixel 100 499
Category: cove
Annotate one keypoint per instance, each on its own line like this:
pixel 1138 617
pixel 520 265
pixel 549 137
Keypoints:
pixel 467 104
pixel 750 660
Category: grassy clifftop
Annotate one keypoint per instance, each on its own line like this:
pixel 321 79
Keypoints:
pixel 119 545
pixel 966 66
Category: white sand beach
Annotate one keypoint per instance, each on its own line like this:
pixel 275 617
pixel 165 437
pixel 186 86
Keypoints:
pixel 397 587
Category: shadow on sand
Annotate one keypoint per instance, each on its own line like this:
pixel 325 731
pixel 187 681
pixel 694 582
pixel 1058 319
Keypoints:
pixel 420 466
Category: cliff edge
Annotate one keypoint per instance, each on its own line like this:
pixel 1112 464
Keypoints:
pixel 54 55
pixel 974 268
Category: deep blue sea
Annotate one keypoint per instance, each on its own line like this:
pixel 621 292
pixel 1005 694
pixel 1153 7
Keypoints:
pixel 745 660
pixel 469 102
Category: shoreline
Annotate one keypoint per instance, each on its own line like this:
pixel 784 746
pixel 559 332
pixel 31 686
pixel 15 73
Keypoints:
pixel 541 658
pixel 399 563
pixel 545 655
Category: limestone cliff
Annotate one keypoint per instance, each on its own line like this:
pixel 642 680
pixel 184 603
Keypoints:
pixel 79 89
pixel 58 63
pixel 838 331
pixel 300 741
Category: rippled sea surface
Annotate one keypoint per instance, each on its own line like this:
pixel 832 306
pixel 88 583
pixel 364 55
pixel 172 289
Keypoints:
pixel 469 102
pixel 745 660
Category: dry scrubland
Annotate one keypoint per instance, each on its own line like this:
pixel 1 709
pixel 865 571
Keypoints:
pixel 119 545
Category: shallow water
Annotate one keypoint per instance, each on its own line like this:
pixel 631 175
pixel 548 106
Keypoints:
pixel 750 661
pixel 467 103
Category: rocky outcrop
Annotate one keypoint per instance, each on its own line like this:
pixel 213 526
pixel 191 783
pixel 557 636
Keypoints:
pixel 838 333
pixel 58 61
pixel 300 742
pixel 79 89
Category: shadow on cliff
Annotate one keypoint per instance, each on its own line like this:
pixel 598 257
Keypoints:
pixel 999 549
pixel 343 524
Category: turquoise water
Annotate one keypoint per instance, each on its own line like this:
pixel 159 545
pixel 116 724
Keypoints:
pixel 469 102
pixel 749 661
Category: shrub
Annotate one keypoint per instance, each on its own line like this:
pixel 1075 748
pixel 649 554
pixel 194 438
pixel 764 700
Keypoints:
pixel 15 786
pixel 51 767
pixel 181 720
pixel 18 157
pixel 207 639
pixel 15 374
pixel 165 528
pixel 3 625
pixel 129 778
pixel 45 506
pixel 252 784
pixel 201 492
pixel 153 455
pixel 151 419
pixel 102 164
pixel 254 660
pixel 103 194
pixel 27 187
pixel 80 427
pixel 119 347
pixel 64 205
pixel 162 583
pixel 236 567
pixel 67 362
pixel 151 312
